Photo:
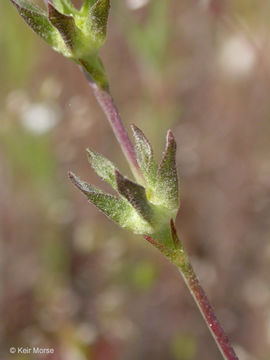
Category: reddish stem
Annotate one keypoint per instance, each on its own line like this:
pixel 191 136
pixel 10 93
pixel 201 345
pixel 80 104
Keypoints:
pixel 198 294
pixel 107 104
pixel 208 313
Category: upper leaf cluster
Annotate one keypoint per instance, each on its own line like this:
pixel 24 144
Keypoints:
pixel 77 34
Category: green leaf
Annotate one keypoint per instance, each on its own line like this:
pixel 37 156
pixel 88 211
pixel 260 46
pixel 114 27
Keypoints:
pixel 135 195
pixel 111 206
pixel 103 167
pixel 167 180
pixel 65 24
pixel 118 210
pixel 183 346
pixel 37 19
pixel 99 13
pixel 64 6
pixel 87 4
pixel 144 154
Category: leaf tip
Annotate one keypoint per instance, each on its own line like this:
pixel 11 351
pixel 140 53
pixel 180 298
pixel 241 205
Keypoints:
pixel 138 132
pixel 89 154
pixel 133 128
pixel 170 139
pixel 74 179
pixel 81 185
pixel 119 179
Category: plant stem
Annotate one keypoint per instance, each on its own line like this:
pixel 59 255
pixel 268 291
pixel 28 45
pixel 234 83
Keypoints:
pixel 180 258
pixel 208 313
pixel 107 104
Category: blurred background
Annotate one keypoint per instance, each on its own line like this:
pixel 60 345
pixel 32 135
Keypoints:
pixel 74 281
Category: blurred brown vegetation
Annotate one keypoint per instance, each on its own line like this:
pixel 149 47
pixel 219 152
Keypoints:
pixel 72 280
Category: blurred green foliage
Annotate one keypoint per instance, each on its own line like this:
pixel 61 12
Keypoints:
pixel 17 48
pixel 144 276
pixel 150 39
pixel 31 157
pixel 183 347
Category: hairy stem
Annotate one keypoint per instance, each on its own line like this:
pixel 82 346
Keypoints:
pixel 208 313
pixel 180 258
pixel 107 104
